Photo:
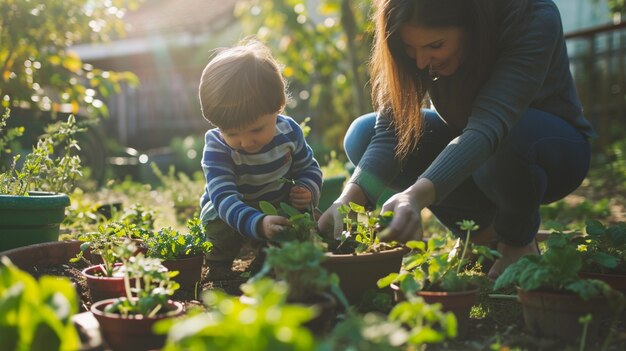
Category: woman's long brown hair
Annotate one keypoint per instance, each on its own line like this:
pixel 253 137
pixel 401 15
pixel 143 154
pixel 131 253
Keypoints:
pixel 399 88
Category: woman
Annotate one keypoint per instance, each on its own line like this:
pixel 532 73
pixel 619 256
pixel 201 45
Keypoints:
pixel 508 133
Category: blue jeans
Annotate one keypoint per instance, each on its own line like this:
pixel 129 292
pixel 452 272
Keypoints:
pixel 542 160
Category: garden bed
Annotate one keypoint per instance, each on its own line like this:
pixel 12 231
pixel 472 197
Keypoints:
pixel 496 323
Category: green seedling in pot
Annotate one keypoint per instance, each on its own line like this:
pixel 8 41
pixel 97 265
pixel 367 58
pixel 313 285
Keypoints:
pixel 434 266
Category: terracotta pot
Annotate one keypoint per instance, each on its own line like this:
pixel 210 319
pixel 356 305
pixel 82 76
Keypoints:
pixel 32 219
pixel 44 254
pixel 360 273
pixel 102 287
pixel 458 302
pixel 189 270
pixel 616 281
pixel 555 314
pixel 132 333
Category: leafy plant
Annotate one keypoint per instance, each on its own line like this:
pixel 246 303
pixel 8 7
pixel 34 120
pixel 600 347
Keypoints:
pixel 603 248
pixel 138 216
pixel 42 169
pixel 361 231
pixel 299 265
pixel 260 320
pixel 168 244
pixel 360 236
pixel 410 325
pixel 112 242
pixel 433 266
pixel 148 287
pixel 556 270
pixel 36 315
pixel 303 227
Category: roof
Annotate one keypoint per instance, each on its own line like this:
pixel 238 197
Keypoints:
pixel 179 15
pixel 164 23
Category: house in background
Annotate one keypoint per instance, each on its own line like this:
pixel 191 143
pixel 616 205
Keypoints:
pixel 167 45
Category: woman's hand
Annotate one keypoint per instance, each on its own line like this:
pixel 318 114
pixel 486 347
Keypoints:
pixel 300 197
pixel 407 207
pixel 331 221
pixel 271 225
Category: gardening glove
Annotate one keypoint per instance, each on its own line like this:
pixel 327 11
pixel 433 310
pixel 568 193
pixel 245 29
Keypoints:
pixel 272 225
pixel 407 206
pixel 406 224
pixel 330 223
pixel 300 197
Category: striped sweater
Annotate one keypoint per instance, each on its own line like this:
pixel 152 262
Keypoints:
pixel 236 180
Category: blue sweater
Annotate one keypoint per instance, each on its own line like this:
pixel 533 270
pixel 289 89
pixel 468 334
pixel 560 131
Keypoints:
pixel 531 71
pixel 236 181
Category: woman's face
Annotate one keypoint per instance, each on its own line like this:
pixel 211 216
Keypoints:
pixel 441 50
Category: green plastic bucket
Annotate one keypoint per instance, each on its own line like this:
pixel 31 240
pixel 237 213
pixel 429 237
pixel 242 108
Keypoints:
pixel 32 219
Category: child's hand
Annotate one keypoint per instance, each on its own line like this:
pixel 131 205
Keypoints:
pixel 271 225
pixel 300 197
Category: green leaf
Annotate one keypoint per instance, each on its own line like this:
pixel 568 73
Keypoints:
pixel 268 208
pixel 289 210
pixel 357 208
pixel 594 227
pixel 387 280
pixel 605 260
pixel 417 245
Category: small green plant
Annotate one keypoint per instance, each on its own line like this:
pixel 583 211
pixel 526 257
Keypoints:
pixel 112 242
pixel 36 314
pixel 138 216
pixel 148 287
pixel 603 248
pixel 42 169
pixel 433 266
pixel 260 320
pixel 303 227
pixel 299 265
pixel 556 270
pixel 169 244
pixel 410 325
pixel 361 230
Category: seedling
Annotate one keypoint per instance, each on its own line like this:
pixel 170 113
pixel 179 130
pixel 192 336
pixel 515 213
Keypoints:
pixel 433 266
pixel 169 244
pixel 148 287
pixel 362 228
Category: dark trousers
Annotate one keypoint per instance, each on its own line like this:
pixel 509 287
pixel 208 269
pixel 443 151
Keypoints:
pixel 542 160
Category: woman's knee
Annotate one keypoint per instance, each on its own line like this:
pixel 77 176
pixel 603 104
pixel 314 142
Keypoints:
pixel 358 137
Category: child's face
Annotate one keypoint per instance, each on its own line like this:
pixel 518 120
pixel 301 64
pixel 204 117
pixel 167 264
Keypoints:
pixel 252 137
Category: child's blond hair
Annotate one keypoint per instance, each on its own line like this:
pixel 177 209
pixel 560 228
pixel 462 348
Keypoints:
pixel 241 84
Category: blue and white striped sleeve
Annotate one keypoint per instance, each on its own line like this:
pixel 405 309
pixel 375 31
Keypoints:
pixel 220 178
pixel 306 169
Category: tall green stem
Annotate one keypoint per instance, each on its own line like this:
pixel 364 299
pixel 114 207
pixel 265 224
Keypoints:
pixel 465 244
